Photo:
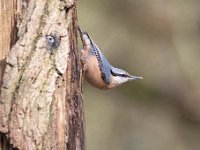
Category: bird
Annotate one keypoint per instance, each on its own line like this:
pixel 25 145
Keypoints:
pixel 96 68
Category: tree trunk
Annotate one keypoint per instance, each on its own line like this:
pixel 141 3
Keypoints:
pixel 41 103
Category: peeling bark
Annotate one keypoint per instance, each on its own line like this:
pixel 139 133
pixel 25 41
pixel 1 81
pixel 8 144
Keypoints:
pixel 41 101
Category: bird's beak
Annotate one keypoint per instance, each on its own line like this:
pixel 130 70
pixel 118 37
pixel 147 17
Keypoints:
pixel 136 78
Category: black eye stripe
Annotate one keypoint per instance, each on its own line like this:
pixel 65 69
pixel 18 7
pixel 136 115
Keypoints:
pixel 120 75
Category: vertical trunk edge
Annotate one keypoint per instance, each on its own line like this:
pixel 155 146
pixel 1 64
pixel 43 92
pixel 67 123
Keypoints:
pixel 76 128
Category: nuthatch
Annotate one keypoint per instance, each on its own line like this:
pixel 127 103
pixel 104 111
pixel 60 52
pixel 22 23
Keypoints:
pixel 98 71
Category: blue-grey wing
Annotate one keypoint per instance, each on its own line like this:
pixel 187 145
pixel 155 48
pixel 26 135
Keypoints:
pixel 104 65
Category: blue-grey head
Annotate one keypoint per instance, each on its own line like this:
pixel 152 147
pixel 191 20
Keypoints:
pixel 120 76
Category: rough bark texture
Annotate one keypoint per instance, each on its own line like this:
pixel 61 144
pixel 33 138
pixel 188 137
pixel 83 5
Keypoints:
pixel 41 101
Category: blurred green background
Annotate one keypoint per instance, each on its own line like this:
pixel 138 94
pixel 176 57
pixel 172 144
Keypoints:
pixel 159 40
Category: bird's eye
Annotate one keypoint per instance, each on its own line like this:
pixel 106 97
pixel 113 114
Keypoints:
pixel 123 75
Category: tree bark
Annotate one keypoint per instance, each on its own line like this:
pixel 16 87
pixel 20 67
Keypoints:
pixel 41 103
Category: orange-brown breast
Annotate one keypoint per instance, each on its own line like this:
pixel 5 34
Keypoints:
pixel 92 70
